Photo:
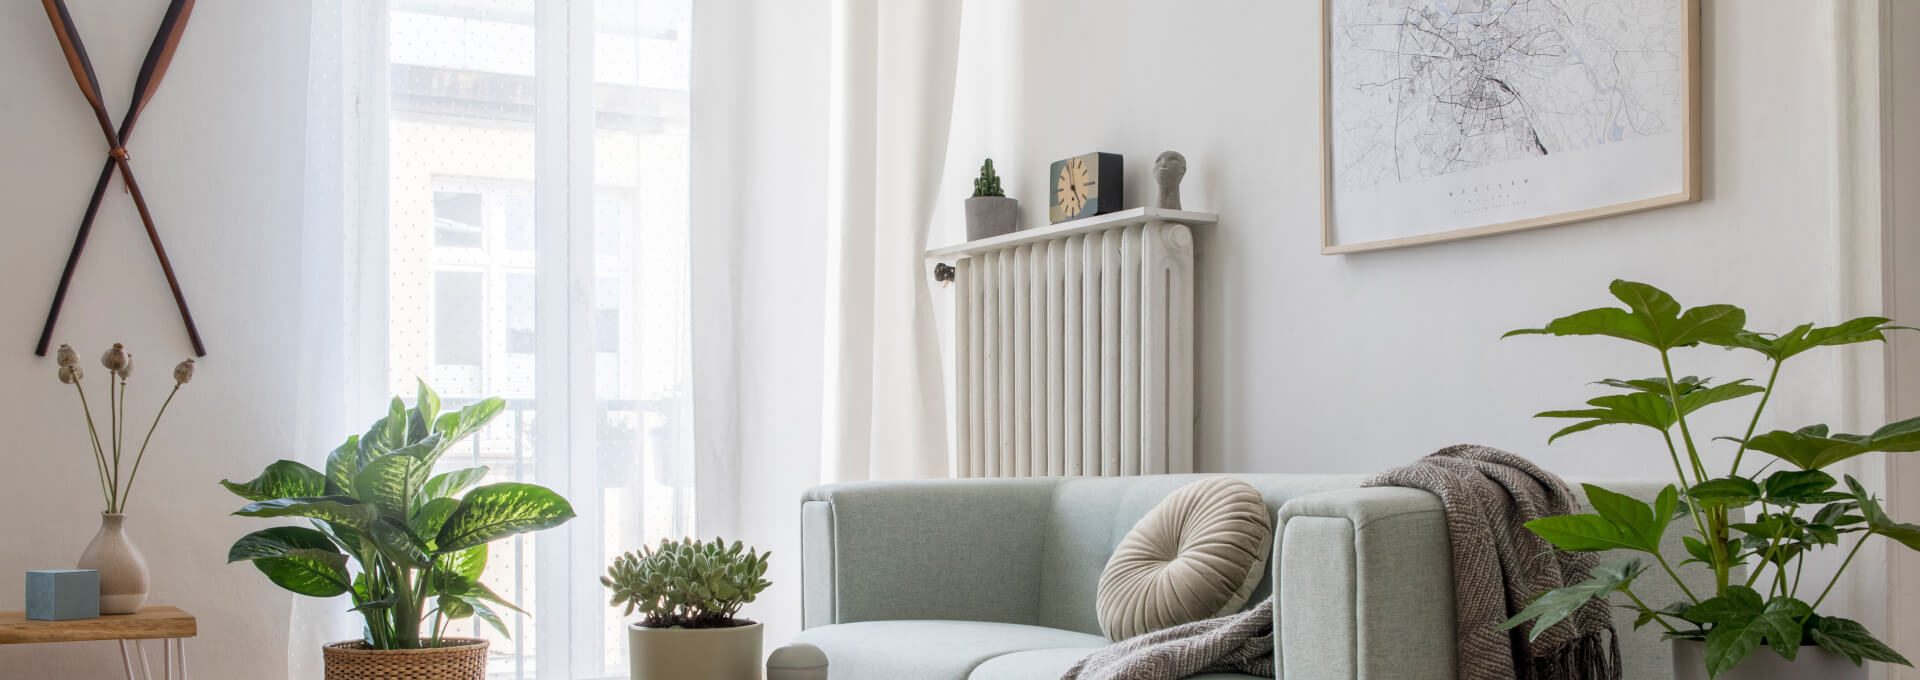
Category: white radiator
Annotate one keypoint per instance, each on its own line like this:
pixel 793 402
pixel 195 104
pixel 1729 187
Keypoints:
pixel 1074 347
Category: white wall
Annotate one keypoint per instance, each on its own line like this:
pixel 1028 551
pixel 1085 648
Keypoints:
pixel 218 154
pixel 1314 363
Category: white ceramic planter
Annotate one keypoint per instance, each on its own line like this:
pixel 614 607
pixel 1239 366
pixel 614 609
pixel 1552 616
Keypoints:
pixel 1690 663
pixel 123 570
pixel 706 653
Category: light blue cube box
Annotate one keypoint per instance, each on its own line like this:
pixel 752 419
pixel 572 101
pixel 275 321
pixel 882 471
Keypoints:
pixel 63 594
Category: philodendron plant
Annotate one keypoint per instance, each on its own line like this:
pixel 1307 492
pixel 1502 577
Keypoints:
pixel 419 545
pixel 1791 505
pixel 687 583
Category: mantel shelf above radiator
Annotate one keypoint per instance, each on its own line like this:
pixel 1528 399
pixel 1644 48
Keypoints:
pixel 1124 218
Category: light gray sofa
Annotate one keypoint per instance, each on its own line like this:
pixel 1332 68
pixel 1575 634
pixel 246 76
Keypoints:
pixel 996 579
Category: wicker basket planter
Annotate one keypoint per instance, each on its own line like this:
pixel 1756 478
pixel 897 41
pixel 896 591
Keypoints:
pixel 459 659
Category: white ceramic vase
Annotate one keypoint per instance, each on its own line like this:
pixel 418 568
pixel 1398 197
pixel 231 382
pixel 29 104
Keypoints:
pixel 123 570
pixel 1690 663
pixel 706 653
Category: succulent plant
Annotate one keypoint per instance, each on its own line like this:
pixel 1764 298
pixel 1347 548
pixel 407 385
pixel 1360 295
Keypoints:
pixel 988 183
pixel 687 583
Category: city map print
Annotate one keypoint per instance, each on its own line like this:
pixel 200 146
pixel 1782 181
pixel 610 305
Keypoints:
pixel 1427 88
pixel 1456 118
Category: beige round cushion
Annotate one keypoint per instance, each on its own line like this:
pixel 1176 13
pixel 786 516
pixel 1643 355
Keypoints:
pixel 1197 555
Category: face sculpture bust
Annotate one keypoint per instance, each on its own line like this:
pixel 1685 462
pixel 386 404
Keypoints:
pixel 1168 169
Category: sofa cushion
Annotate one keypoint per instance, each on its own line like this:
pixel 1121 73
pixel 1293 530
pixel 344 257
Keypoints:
pixel 930 650
pixel 1090 515
pixel 1196 555
pixel 1049 664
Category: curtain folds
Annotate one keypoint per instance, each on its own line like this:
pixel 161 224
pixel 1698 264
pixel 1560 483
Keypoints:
pixel 891 107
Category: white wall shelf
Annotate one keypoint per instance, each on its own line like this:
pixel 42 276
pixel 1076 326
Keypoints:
pixel 1115 220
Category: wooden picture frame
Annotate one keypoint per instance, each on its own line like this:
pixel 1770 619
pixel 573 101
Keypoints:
pixel 1689 161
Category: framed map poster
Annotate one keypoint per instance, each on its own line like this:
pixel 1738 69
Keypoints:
pixel 1448 119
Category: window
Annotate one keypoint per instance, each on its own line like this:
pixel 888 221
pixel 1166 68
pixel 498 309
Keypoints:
pixel 535 248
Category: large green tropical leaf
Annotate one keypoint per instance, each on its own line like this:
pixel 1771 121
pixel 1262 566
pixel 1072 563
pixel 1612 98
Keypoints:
pixel 299 559
pixel 496 511
pixel 1806 336
pixel 1647 403
pixel 1652 318
pixel 1814 447
pixel 1634 408
pixel 1852 640
pixel 398 544
pixel 448 484
pixel 1584 533
pixel 1795 487
pixel 281 479
pixel 336 510
pixel 431 516
pixel 1877 520
pixel 1741 621
pixel 1725 492
pixel 342 465
pixel 467 564
pixel 455 426
pixel 1556 605
pixel 391 483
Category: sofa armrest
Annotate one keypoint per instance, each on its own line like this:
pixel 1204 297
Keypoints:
pixel 934 549
pixel 1363 580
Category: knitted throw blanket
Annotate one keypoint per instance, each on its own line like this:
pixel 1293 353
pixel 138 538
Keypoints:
pixel 1242 643
pixel 1499 566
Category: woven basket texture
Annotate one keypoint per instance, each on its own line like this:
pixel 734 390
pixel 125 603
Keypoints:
pixel 460 659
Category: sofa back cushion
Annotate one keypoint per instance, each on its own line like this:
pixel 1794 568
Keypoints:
pixel 1090 515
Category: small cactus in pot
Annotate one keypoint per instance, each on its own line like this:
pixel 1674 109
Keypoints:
pixel 989 212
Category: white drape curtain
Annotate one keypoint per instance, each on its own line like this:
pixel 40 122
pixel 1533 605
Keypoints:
pixel 327 380
pixel 891 104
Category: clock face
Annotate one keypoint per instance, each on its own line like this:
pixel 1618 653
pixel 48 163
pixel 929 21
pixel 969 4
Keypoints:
pixel 1074 186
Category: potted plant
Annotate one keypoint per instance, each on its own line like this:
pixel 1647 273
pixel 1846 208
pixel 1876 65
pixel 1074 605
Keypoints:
pixel 417 541
pixel 689 595
pixel 989 211
pixel 1791 506
pixel 123 568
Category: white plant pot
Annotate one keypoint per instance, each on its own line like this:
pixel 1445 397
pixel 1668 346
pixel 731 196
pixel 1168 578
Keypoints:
pixel 683 653
pixel 1690 663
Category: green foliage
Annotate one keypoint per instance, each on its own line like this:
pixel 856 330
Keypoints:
pixel 1790 512
pixel 687 583
pixel 1556 605
pixel 416 544
pixel 988 183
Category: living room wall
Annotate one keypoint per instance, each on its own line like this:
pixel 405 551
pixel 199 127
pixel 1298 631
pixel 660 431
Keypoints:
pixel 218 155
pixel 1313 363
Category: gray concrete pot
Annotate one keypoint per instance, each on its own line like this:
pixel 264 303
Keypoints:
pixel 1690 663
pixel 681 653
pixel 990 216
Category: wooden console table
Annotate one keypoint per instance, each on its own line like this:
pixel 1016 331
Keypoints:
pixel 169 625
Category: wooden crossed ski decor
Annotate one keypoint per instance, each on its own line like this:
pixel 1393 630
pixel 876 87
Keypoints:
pixel 159 55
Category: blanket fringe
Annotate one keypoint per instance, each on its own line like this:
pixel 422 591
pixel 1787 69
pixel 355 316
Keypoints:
pixel 1595 656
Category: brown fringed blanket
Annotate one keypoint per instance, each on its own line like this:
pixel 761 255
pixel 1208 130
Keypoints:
pixel 1499 566
pixel 1242 643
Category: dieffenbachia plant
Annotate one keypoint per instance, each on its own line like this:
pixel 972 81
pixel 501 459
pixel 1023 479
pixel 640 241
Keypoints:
pixel 1790 510
pixel 419 544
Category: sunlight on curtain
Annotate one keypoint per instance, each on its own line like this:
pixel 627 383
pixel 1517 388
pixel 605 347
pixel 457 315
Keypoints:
pixel 535 249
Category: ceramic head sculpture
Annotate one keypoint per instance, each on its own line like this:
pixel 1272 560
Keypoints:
pixel 1168 169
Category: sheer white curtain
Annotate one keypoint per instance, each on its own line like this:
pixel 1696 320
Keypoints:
pixel 498 205
pixel 892 88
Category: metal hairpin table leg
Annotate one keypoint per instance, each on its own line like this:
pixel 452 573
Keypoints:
pixel 126 660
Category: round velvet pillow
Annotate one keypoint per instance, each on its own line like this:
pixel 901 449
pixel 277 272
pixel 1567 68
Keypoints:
pixel 1197 555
